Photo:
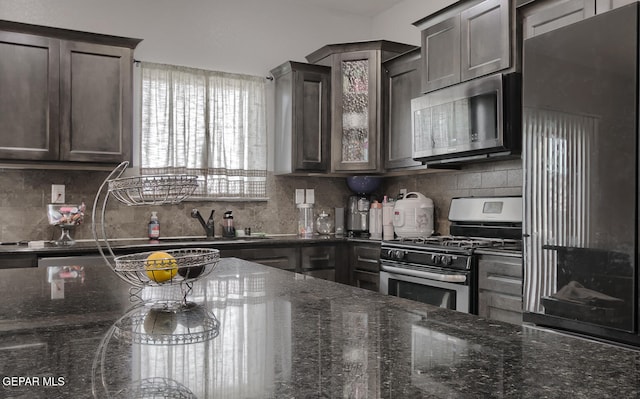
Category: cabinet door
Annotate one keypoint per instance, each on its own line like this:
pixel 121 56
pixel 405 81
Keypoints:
pixel 281 258
pixel 29 105
pixel 606 5
pixel 441 54
pixel 311 120
pixel 96 102
pixel 366 280
pixel 17 260
pixel 319 261
pixel 485 32
pixel 500 288
pixel 355 130
pixel 364 261
pixel 546 16
pixel 401 84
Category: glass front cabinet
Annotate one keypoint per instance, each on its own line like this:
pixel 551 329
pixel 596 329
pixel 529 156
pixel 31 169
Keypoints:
pixel 356 101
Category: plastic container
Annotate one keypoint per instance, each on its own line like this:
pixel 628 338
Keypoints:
pixel 387 220
pixel 154 226
pixel 375 221
pixel 324 224
pixel 305 221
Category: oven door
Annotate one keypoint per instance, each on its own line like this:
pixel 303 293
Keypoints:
pixel 441 289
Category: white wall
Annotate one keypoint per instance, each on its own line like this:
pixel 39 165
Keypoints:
pixel 242 36
pixel 396 23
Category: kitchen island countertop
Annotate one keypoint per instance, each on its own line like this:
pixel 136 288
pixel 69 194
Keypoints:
pixel 276 334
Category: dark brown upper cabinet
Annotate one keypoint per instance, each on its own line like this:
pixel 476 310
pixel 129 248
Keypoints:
pixel 543 16
pixel 66 95
pixel 356 102
pixel 401 83
pixel 465 41
pixel 303 125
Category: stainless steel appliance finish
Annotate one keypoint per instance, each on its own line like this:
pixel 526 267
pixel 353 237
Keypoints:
pixel 473 120
pixel 358 215
pixel 580 129
pixel 442 270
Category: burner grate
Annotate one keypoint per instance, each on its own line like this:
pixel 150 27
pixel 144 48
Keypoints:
pixel 463 242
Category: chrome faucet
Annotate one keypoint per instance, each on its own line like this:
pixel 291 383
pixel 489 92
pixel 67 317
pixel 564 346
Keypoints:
pixel 208 226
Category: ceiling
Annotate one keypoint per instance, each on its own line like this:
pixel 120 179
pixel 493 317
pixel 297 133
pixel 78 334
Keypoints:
pixel 368 8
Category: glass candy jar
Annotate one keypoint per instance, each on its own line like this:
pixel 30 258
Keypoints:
pixel 324 224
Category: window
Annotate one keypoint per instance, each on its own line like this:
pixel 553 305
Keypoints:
pixel 205 123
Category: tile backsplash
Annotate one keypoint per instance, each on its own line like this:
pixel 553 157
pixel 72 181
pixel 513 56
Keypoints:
pixel 482 179
pixel 25 194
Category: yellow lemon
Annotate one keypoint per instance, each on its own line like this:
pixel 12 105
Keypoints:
pixel 161 266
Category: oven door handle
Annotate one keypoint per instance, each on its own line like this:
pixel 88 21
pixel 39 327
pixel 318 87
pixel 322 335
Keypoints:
pixel 444 277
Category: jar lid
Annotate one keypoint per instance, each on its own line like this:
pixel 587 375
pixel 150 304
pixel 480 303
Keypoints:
pixel 324 213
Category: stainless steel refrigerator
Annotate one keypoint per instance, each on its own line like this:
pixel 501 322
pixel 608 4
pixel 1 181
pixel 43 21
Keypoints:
pixel 580 161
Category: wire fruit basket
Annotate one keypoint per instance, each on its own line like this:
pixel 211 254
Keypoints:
pixel 153 189
pixel 159 268
pixel 172 266
pixel 150 331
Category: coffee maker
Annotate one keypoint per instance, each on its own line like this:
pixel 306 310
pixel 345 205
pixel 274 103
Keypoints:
pixel 358 204
pixel 358 215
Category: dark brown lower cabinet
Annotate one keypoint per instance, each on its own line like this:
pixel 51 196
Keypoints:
pixel 281 258
pixel 325 261
pixel 500 288
pixel 364 264
pixel 12 261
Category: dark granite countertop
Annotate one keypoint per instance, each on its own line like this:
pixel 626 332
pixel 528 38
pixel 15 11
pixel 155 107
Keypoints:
pixel 259 332
pixel 125 245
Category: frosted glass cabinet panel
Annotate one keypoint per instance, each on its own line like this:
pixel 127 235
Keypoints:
pixel 355 110
pixel 355 135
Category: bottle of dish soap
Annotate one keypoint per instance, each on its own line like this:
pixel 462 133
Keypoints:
pixel 154 226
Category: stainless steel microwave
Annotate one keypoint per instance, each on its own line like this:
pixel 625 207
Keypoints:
pixel 471 121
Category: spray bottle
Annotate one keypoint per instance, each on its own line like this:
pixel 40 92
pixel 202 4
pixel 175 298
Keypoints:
pixel 154 226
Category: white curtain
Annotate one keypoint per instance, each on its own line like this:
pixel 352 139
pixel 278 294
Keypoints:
pixel 206 123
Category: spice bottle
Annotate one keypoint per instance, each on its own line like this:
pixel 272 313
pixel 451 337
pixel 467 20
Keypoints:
pixel 154 226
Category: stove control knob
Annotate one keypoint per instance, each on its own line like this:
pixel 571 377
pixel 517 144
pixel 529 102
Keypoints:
pixel 446 260
pixel 398 254
pixel 389 254
pixel 435 259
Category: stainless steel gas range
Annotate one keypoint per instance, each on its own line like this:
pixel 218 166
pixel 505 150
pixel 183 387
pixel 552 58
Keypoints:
pixel 442 270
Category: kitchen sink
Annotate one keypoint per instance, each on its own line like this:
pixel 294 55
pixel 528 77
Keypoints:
pixel 187 240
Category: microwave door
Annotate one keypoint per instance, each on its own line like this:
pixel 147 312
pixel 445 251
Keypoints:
pixel 482 114
pixel 462 131
pixel 442 127
pixel 465 121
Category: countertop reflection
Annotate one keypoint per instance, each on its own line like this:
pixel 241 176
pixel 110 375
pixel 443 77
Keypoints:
pixel 259 332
